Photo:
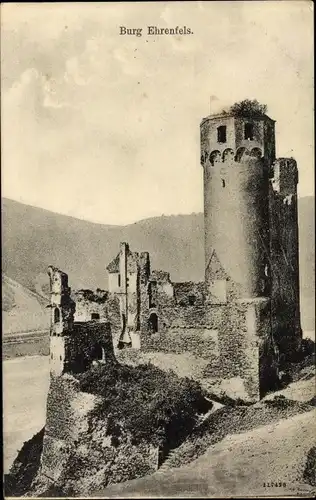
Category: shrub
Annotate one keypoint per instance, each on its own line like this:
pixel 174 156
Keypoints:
pixel 247 107
pixel 147 402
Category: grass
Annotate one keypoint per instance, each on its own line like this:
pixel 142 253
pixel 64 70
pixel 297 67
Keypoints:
pixel 233 420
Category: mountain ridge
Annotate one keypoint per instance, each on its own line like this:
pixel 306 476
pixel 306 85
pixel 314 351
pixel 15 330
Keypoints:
pixel 34 238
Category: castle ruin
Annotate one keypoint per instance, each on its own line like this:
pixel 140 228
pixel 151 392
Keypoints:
pixel 246 312
pixel 238 321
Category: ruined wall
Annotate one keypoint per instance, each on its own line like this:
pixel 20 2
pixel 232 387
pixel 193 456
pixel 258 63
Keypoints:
pixel 66 420
pixel 144 290
pixel 245 336
pixel 114 316
pixel 61 305
pixel 285 255
pixel 77 449
pixel 132 291
pixel 234 338
pixel 189 293
pixel 59 352
pixel 114 280
pixel 90 342
pixel 90 305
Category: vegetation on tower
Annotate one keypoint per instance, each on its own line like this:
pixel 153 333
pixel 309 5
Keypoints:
pixel 247 107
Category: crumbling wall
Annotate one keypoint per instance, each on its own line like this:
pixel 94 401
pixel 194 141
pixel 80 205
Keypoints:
pixel 189 293
pixel 114 316
pixel 132 291
pixel 90 305
pixel 234 338
pixel 66 419
pixel 285 255
pixel 61 304
pixel 90 342
pixel 78 453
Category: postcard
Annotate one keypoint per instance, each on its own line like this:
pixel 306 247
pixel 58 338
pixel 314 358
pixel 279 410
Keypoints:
pixel 158 262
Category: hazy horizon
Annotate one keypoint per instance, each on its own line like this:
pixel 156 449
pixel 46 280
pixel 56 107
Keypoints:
pixel 105 128
pixel 118 225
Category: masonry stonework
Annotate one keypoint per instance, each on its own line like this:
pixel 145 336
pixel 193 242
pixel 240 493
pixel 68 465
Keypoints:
pixel 245 313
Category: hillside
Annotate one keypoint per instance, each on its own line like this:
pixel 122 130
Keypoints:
pixel 237 450
pixel 237 465
pixel 34 238
pixel 23 310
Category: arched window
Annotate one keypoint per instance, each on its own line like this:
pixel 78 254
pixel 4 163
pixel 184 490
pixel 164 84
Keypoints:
pixel 228 154
pixel 153 323
pixel 240 153
pixel 256 153
pixel 56 315
pixel 215 156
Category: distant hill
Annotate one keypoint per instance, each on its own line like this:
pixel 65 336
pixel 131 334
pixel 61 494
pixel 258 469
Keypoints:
pixel 23 310
pixel 34 238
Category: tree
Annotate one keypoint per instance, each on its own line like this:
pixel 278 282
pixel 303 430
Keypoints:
pixel 249 108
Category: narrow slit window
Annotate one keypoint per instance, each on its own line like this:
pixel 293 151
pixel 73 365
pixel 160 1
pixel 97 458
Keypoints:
pixel 56 315
pixel 119 280
pixel 221 134
pixel 192 300
pixel 249 131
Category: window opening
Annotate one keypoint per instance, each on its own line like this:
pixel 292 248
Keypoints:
pixel 221 134
pixel 249 131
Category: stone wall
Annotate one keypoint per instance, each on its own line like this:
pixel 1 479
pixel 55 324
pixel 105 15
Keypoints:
pixel 90 341
pixel 202 342
pixel 189 293
pixel 77 449
pixel 235 340
pixel 65 419
pixel 284 255
pixel 90 305
pixel 114 316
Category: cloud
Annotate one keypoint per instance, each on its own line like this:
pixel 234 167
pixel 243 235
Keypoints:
pixel 91 119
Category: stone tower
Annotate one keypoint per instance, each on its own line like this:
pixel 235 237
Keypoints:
pixel 62 320
pixel 251 226
pixel 236 154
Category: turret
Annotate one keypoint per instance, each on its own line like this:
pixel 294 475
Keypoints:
pixel 236 155
pixel 62 320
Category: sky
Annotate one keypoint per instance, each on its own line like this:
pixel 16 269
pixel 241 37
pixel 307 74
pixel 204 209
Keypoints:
pixel 105 127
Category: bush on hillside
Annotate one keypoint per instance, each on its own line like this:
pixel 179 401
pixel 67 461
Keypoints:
pixel 148 403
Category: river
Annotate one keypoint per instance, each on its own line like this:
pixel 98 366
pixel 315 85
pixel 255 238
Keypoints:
pixel 25 387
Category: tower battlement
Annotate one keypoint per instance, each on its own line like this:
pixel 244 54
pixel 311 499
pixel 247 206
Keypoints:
pixel 226 135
